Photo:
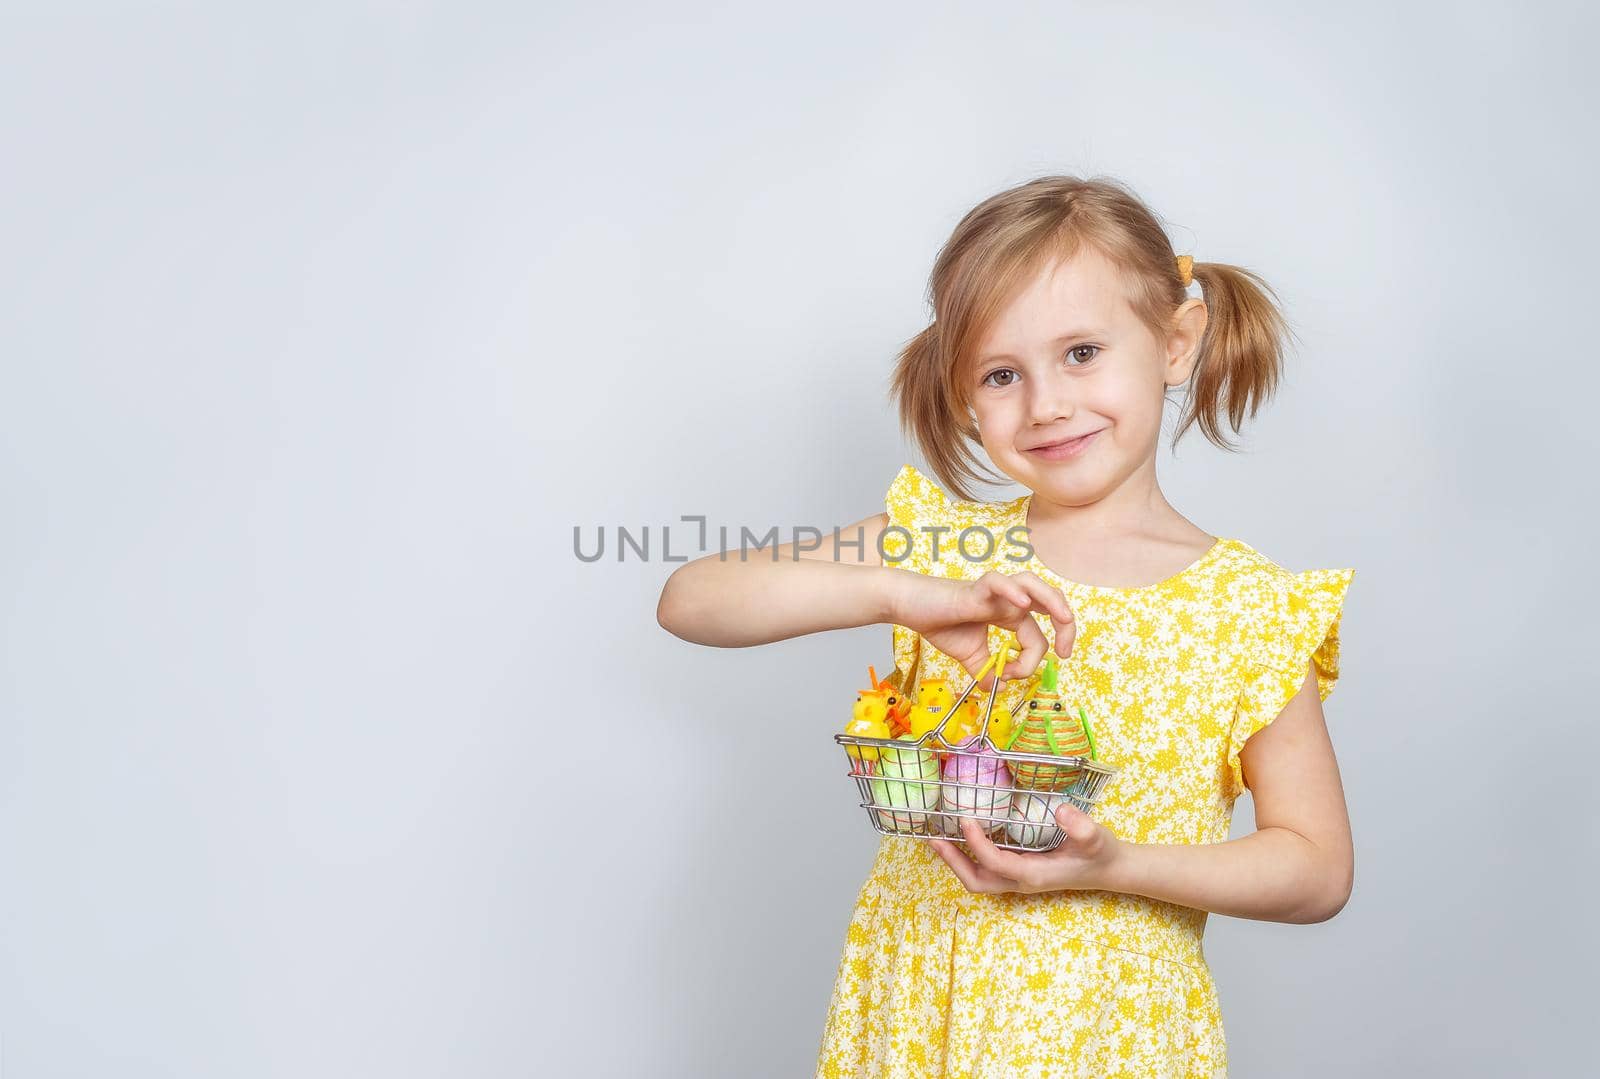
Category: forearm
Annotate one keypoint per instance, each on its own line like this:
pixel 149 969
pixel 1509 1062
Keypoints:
pixel 734 603
pixel 1272 874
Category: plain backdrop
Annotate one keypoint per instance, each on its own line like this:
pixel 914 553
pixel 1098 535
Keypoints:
pixel 324 325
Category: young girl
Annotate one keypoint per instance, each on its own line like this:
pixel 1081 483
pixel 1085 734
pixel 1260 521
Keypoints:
pixel 1061 320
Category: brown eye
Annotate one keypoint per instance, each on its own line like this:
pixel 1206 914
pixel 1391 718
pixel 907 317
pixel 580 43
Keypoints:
pixel 1058 706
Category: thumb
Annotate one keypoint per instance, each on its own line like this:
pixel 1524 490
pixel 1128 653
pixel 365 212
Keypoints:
pixel 1078 825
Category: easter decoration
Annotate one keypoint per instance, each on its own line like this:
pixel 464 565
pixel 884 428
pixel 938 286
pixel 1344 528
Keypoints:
pixel 908 780
pixel 966 723
pixel 904 687
pixel 933 703
pixel 1048 729
pixel 1000 724
pixel 899 704
pixel 978 785
pixel 1001 721
pixel 924 763
pixel 1033 817
pixel 930 719
pixel 880 712
pixel 869 718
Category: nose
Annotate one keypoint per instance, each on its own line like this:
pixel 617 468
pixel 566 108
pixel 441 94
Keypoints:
pixel 1051 400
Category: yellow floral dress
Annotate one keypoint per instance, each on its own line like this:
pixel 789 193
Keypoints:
pixel 937 981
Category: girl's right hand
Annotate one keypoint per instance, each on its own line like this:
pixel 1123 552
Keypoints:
pixel 955 616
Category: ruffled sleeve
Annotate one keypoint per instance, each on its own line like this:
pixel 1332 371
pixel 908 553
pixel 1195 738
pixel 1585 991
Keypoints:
pixel 1299 625
pixel 912 501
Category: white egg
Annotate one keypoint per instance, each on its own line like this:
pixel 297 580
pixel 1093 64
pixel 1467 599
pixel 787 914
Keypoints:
pixel 1033 818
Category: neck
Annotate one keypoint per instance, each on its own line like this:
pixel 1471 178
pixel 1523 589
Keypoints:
pixel 1134 507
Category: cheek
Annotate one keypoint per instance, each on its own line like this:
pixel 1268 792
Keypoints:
pixel 1132 407
pixel 996 419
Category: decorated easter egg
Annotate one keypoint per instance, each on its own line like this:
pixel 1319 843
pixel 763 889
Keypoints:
pixel 1047 728
pixel 1033 818
pixel 978 784
pixel 908 778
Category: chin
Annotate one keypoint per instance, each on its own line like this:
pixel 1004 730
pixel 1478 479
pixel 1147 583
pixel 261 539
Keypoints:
pixel 1064 482
pixel 1070 494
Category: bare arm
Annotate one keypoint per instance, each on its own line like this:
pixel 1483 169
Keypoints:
pixel 1298 866
pixel 1299 863
pixel 772 594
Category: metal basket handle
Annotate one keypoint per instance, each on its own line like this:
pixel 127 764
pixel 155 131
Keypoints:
pixel 1009 648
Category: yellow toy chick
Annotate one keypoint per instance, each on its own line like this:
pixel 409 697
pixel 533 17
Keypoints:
pixel 1000 723
pixel 899 704
pixel 933 701
pixel 966 722
pixel 869 718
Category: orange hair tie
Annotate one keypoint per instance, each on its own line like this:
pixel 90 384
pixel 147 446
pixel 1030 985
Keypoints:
pixel 1186 269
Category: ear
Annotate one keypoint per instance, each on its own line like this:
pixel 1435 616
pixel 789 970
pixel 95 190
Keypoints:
pixel 1183 340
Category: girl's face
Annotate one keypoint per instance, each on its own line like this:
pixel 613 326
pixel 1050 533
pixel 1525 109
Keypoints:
pixel 1068 359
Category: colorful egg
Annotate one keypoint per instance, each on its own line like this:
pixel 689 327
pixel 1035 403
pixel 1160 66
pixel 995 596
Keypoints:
pixel 977 784
pixel 908 779
pixel 1033 818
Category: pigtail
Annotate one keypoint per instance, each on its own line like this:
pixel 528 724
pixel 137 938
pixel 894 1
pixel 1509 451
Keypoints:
pixel 1240 360
pixel 921 384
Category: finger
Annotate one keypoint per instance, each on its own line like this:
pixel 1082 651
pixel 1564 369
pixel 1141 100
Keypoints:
pixel 1078 825
pixel 979 659
pixel 1034 645
pixel 973 877
pixel 1002 863
pixel 1052 602
pixel 1002 596
pixel 962 866
pixel 1066 636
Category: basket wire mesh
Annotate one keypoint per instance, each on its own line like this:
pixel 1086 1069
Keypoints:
pixel 921 789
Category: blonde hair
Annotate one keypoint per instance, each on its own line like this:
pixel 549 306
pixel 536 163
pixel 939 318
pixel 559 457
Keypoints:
pixel 1005 241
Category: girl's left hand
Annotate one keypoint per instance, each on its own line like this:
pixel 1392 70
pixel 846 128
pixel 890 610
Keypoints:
pixel 1085 859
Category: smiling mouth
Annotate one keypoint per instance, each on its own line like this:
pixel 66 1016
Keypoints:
pixel 1067 448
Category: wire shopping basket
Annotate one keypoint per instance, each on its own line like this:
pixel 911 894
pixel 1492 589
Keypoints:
pixel 922 788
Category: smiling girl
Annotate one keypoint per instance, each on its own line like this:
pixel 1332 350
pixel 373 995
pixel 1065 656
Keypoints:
pixel 1062 320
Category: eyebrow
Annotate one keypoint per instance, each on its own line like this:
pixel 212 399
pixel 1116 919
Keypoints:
pixel 1063 339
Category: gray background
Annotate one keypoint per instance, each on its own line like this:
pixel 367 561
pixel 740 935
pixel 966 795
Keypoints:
pixel 324 325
